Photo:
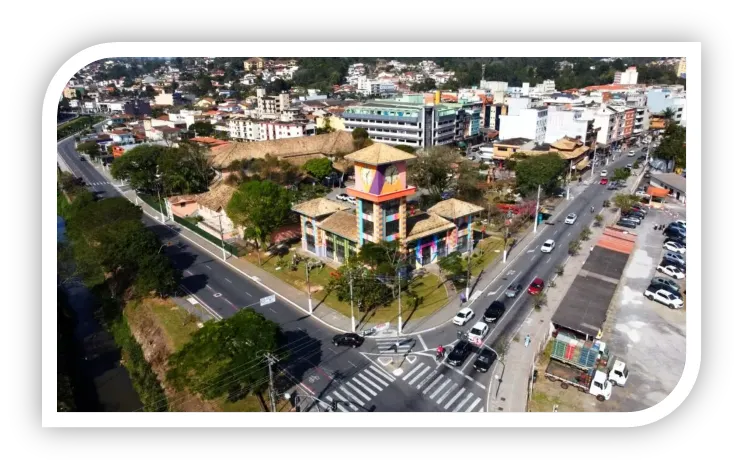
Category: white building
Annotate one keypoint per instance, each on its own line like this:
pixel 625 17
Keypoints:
pixel 241 128
pixel 270 107
pixel 530 123
pixel 628 77
pixel 564 121
pixel 547 86
pixel 609 123
pixel 375 87
pixel 164 99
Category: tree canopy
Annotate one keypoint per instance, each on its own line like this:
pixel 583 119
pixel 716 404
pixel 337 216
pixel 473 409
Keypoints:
pixel 672 146
pixel 434 170
pixel 201 129
pixel 319 168
pixel 621 174
pixel 259 207
pixel 544 170
pixel 226 357
pixel 89 148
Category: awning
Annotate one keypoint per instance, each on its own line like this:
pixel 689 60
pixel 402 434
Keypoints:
pixel 582 165
pixel 657 191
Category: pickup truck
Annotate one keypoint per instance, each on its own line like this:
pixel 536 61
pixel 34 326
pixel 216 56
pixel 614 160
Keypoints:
pixel 595 382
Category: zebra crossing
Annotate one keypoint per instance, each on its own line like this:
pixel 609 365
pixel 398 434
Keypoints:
pixel 99 183
pixel 395 345
pixel 448 390
pixel 355 393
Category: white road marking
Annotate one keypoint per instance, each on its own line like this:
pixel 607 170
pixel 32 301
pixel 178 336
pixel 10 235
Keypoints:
pixel 405 378
pixel 477 401
pixel 383 373
pixel 438 390
pixel 188 272
pixel 530 251
pixel 345 391
pixel 533 257
pixel 482 409
pixel 461 404
pixel 448 391
pixel 367 388
pixel 420 339
pixel 427 378
pixel 359 391
pixel 371 383
pixel 438 378
pixel 343 399
pixel 482 386
pixel 228 279
pixel 412 381
pixel 377 378
pixel 456 396
pixel 207 267
pixel 249 294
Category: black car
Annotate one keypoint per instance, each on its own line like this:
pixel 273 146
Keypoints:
pixel 494 311
pixel 484 359
pixel 348 339
pixel 674 263
pixel 674 232
pixel 676 239
pixel 513 290
pixel 459 353
pixel 625 223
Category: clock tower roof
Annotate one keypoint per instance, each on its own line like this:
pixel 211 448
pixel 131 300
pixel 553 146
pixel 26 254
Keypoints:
pixel 379 154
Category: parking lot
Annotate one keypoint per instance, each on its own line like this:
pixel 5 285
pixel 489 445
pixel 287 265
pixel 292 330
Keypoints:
pixel 648 335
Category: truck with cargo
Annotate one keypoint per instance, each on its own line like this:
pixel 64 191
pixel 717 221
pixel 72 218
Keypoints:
pixel 595 383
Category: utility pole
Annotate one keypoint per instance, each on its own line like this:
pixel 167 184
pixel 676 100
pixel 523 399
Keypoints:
pixel 272 392
pixel 399 303
pixel 536 212
pixel 353 319
pixel 221 235
pixel 647 154
pixel 309 292
pixel 570 173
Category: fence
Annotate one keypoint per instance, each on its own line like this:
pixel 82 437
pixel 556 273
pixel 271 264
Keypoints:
pixel 153 202
pixel 218 242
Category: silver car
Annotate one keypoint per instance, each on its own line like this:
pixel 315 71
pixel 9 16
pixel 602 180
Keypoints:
pixel 674 257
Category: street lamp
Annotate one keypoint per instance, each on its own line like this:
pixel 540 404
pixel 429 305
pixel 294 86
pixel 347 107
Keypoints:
pixel 159 200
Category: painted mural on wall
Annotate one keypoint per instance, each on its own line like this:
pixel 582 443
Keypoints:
pixel 381 180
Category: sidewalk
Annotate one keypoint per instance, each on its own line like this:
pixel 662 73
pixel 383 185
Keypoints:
pixel 511 388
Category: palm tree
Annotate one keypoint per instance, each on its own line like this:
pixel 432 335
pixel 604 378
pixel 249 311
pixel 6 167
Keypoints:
pixel 668 113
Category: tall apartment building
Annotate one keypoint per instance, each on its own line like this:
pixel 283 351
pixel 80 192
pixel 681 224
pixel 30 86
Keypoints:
pixel 414 120
pixel 628 77
pixel 271 107
pixel 241 128
pixel 528 123
pixel 564 121
pixel 661 99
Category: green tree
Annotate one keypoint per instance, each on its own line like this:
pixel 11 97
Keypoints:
pixel 621 174
pixel 574 247
pixel 259 207
pixel 406 148
pixel 383 258
pixel 668 114
pixel 89 148
pixel 139 166
pixel 468 181
pixel 625 202
pixel 434 170
pixel 325 128
pixel 185 170
pixel 360 137
pixel 426 85
pixel 452 264
pixel 201 129
pixel 540 170
pixel 319 168
pixel 227 357
pixel 672 146
pixel 368 291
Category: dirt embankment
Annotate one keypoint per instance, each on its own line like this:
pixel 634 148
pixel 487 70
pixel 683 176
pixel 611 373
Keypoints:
pixel 148 329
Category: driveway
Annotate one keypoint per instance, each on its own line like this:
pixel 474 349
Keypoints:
pixel 650 336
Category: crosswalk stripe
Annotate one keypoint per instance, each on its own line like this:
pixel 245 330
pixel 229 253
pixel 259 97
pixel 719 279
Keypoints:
pixel 439 377
pixel 448 391
pixel 342 408
pixel 461 404
pixel 368 389
pixel 357 390
pixel 482 409
pixel 427 378
pixel 343 399
pixel 345 391
pixel 438 390
pixel 456 396
pixel 382 374
pixel 412 381
pixel 405 378
pixel 376 377
pixel 473 405
pixel 371 383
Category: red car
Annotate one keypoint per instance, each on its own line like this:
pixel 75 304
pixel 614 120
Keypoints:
pixel 536 286
pixel 604 181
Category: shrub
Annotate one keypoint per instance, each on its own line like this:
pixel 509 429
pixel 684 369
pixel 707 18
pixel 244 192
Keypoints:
pixel 574 247
pixel 585 234
pixel 560 269
pixel 598 220
pixel 539 300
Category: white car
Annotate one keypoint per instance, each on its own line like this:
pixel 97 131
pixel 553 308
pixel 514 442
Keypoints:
pixel 674 247
pixel 478 332
pixel 350 198
pixel 548 245
pixel 641 194
pixel 342 196
pixel 604 173
pixel 570 219
pixel 463 316
pixel 671 271
pixel 681 222
pixel 631 153
pixel 657 293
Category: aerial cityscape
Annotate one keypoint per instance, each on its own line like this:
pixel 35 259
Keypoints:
pixel 428 234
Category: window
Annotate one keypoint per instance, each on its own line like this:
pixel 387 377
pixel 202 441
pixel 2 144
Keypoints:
pixel 368 227
pixel 392 227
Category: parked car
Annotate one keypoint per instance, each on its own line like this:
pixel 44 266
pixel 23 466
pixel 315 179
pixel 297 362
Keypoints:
pixel 513 290
pixel 631 216
pixel 342 196
pixel 676 240
pixel 463 316
pixel 604 181
pixel 641 208
pixel 628 166
pixel 679 265
pixel 478 332
pixel 548 246
pixel 678 225
pixel 674 256
pixel 659 294
pixel 459 353
pixel 641 194
pixel 673 231
pixel 625 223
pixel 484 359
pixel 560 192
pixel 494 312
pixel 675 247
pixel 638 212
pixel 604 173
pixel 570 219
pixel 612 186
pixel 348 339
pixel 670 270
pixel 536 286
pixel 631 153
pixel 666 283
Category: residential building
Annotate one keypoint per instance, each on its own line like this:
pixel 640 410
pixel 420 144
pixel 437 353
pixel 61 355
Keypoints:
pixel 661 99
pixel 681 68
pixel 414 120
pixel 137 107
pixel 627 77
pixel 246 129
pixel 368 87
pixel 254 64
pixel 567 121
pixel 332 232
pixel 547 86
pixel 529 123
pixel 164 99
pixel 270 107
pixel 69 93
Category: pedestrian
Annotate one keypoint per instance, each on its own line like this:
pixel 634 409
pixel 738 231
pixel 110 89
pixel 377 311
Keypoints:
pixel 527 340
pixel 462 298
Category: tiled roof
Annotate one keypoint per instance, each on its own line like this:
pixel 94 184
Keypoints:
pixel 378 154
pixel 318 207
pixel 217 197
pixel 454 208
pixel 426 224
pixel 343 224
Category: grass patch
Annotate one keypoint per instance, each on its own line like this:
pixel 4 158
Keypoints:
pixel 488 250
pixel 177 323
pixel 429 290
pixel 253 404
